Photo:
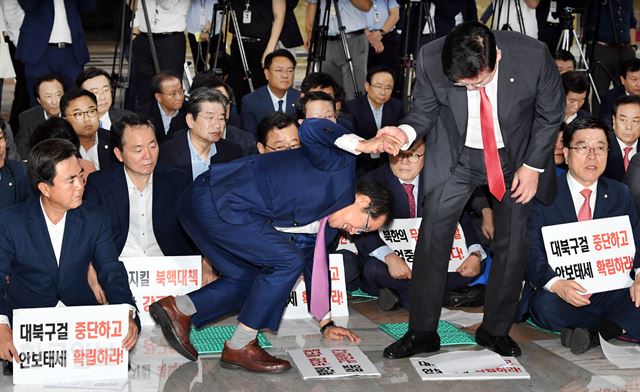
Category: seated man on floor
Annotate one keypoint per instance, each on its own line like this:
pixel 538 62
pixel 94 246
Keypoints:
pixel 47 243
pixel 387 275
pixel 583 194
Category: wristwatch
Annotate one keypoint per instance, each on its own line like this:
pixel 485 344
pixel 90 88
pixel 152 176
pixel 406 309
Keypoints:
pixel 327 326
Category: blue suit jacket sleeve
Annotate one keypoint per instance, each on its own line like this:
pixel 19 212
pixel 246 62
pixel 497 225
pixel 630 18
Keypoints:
pixel 315 135
pixel 6 256
pixel 249 117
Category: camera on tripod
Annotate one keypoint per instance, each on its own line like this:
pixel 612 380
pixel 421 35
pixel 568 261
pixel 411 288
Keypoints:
pixel 566 18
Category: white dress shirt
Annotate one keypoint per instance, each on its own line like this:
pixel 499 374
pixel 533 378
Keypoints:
pixel 60 31
pixel 92 153
pixel 622 145
pixel 165 16
pixel 13 15
pixel 377 113
pixel 275 99
pixel 105 121
pixel 141 240
pixel 474 128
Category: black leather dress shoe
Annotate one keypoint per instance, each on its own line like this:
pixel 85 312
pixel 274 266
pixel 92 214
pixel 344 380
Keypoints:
pixel 466 296
pixel 579 340
pixel 503 345
pixel 413 343
pixel 388 300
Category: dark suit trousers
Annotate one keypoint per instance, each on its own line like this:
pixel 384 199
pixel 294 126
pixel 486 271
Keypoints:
pixel 258 265
pixel 237 77
pixel 550 311
pixel 61 61
pixel 610 58
pixel 442 209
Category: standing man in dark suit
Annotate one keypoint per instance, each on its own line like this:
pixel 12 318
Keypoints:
pixel 629 85
pixel 490 111
pixel 14 185
pixel 165 111
pixel 559 304
pixel 52 40
pixel 80 109
pixel 47 243
pixel 99 83
pixel 623 141
pixel 194 149
pixel 277 95
pixel 248 200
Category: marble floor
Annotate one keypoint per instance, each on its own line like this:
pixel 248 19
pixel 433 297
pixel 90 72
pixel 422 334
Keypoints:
pixel 156 367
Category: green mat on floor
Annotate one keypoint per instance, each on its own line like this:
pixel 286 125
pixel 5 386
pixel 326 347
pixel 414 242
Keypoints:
pixel 534 325
pixel 210 340
pixel 361 294
pixel 449 334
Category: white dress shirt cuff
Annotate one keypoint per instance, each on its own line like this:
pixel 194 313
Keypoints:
pixel 411 135
pixel 550 283
pixel 533 168
pixel 349 142
pixel 4 320
pixel 478 248
pixel 381 252
pixel 326 317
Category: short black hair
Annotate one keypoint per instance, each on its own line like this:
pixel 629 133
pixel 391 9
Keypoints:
pixel 128 120
pixel 44 157
pixel 381 198
pixel 3 124
pixel 565 55
pixel 47 78
pixel 318 79
pixel 205 94
pixel 278 53
pixel 625 100
pixel 274 120
pixel 54 127
pixel 161 77
pixel 73 94
pixel 574 82
pixel 583 123
pixel 301 105
pixel 631 65
pixel 468 49
pixel 90 73
pixel 210 80
pixel 379 69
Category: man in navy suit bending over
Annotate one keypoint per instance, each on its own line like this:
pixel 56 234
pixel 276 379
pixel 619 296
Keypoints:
pixel 234 213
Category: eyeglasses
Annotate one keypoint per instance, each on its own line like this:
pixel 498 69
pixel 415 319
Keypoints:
pixel 174 94
pixel 583 149
pixel 91 113
pixel 411 157
pixel 380 87
pixel 366 223
pixel 283 148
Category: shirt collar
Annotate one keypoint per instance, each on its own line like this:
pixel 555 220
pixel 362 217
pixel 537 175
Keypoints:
pixel 50 224
pixel 130 184
pixel 373 107
pixel 194 153
pixel 623 145
pixel 275 99
pixel 575 187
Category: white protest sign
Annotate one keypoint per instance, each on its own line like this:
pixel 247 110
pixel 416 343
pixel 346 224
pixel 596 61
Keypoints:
pixel 70 343
pixel 297 305
pixel 153 278
pixel 402 235
pixel 597 253
pixel 329 363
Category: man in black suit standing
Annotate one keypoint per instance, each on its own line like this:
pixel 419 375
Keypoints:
pixel 623 141
pixel 490 111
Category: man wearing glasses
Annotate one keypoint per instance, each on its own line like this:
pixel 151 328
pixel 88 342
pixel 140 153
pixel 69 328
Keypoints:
pixel 80 108
pixel 562 305
pixel 234 213
pixel 490 111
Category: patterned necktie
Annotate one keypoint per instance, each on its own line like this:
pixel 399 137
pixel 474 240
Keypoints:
pixel 320 276
pixel 408 188
pixel 627 150
pixel 585 210
pixel 280 103
pixel 495 178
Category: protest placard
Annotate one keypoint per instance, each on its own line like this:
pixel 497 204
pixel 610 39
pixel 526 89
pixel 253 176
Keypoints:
pixel 331 363
pixel 511 371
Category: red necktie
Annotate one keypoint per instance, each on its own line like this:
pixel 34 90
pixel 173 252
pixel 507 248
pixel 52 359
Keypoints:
pixel 495 178
pixel 585 209
pixel 408 188
pixel 320 276
pixel 627 150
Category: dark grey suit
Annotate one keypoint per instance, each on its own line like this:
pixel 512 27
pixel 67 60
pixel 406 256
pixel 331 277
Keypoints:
pixel 116 114
pixel 530 107
pixel 244 139
pixel 28 120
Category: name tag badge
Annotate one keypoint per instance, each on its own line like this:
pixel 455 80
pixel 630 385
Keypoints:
pixel 246 17
pixel 376 17
pixel 553 8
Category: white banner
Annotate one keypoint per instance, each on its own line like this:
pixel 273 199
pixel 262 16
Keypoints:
pixel 72 343
pixel 329 363
pixel 597 253
pixel 153 278
pixel 297 305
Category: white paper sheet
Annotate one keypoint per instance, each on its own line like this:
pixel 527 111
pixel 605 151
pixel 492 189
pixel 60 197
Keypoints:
pixel 465 361
pixel 624 357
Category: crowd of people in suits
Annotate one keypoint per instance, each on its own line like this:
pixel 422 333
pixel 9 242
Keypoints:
pixel 244 178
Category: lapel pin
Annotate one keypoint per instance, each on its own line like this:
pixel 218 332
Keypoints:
pixel 11 184
pixel 606 196
pixel 512 80
pixel 106 146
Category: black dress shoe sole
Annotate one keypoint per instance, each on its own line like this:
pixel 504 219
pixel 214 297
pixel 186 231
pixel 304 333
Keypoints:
pixel 516 352
pixel 232 365
pixel 581 341
pixel 162 319
pixel 565 337
pixel 388 300
pixel 387 353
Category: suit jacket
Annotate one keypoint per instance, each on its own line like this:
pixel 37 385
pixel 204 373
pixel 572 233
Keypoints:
pixel 364 124
pixel 258 105
pixel 27 256
pixel 108 189
pixel 28 121
pixel 38 23
pixel 633 179
pixel 242 138
pixel 105 152
pixel 612 199
pixel 115 114
pixel 152 111
pixel 530 109
pixel 615 160
pixel 605 112
pixel 15 185
pixel 175 152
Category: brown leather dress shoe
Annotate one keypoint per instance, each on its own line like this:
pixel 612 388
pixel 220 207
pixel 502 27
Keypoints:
pixel 175 326
pixel 252 357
